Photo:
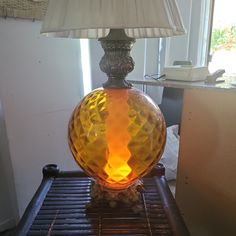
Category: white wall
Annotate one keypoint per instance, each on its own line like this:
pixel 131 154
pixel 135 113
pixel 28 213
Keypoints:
pixel 8 204
pixel 40 83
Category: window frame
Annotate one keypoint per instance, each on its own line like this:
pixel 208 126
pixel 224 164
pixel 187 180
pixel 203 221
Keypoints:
pixel 195 45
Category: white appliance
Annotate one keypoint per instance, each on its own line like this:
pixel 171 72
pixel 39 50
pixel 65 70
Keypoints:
pixel 186 73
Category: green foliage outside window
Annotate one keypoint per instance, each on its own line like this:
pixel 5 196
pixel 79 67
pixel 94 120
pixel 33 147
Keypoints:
pixel 223 39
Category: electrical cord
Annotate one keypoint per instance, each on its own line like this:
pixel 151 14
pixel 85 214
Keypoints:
pixel 153 76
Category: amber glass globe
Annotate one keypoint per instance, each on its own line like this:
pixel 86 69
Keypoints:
pixel 117 136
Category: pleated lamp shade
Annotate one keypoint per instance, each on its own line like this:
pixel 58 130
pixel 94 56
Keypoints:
pixel 95 18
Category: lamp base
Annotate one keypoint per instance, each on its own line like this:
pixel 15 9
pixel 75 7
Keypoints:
pixel 130 197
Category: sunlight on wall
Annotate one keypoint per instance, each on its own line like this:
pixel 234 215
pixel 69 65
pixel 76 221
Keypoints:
pixel 86 68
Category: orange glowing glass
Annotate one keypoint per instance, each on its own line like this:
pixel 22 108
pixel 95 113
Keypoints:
pixel 117 136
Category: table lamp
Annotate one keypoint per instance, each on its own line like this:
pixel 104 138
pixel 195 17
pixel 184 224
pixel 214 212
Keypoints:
pixel 116 133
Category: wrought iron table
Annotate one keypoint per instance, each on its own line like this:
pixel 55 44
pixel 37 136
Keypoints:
pixel 59 208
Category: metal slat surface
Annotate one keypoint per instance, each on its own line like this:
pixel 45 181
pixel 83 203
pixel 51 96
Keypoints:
pixel 63 212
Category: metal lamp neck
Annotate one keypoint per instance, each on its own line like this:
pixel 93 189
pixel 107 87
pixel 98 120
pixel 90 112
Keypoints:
pixel 117 62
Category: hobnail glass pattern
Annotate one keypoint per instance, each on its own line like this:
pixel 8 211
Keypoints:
pixel 117 136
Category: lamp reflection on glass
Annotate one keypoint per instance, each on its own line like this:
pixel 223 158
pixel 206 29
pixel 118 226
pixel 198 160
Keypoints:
pixel 116 134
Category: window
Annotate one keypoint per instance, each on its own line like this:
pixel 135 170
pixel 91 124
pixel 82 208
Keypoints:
pixel 193 46
pixel 223 37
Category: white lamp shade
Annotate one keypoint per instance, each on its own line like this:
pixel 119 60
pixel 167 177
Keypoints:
pixel 95 18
